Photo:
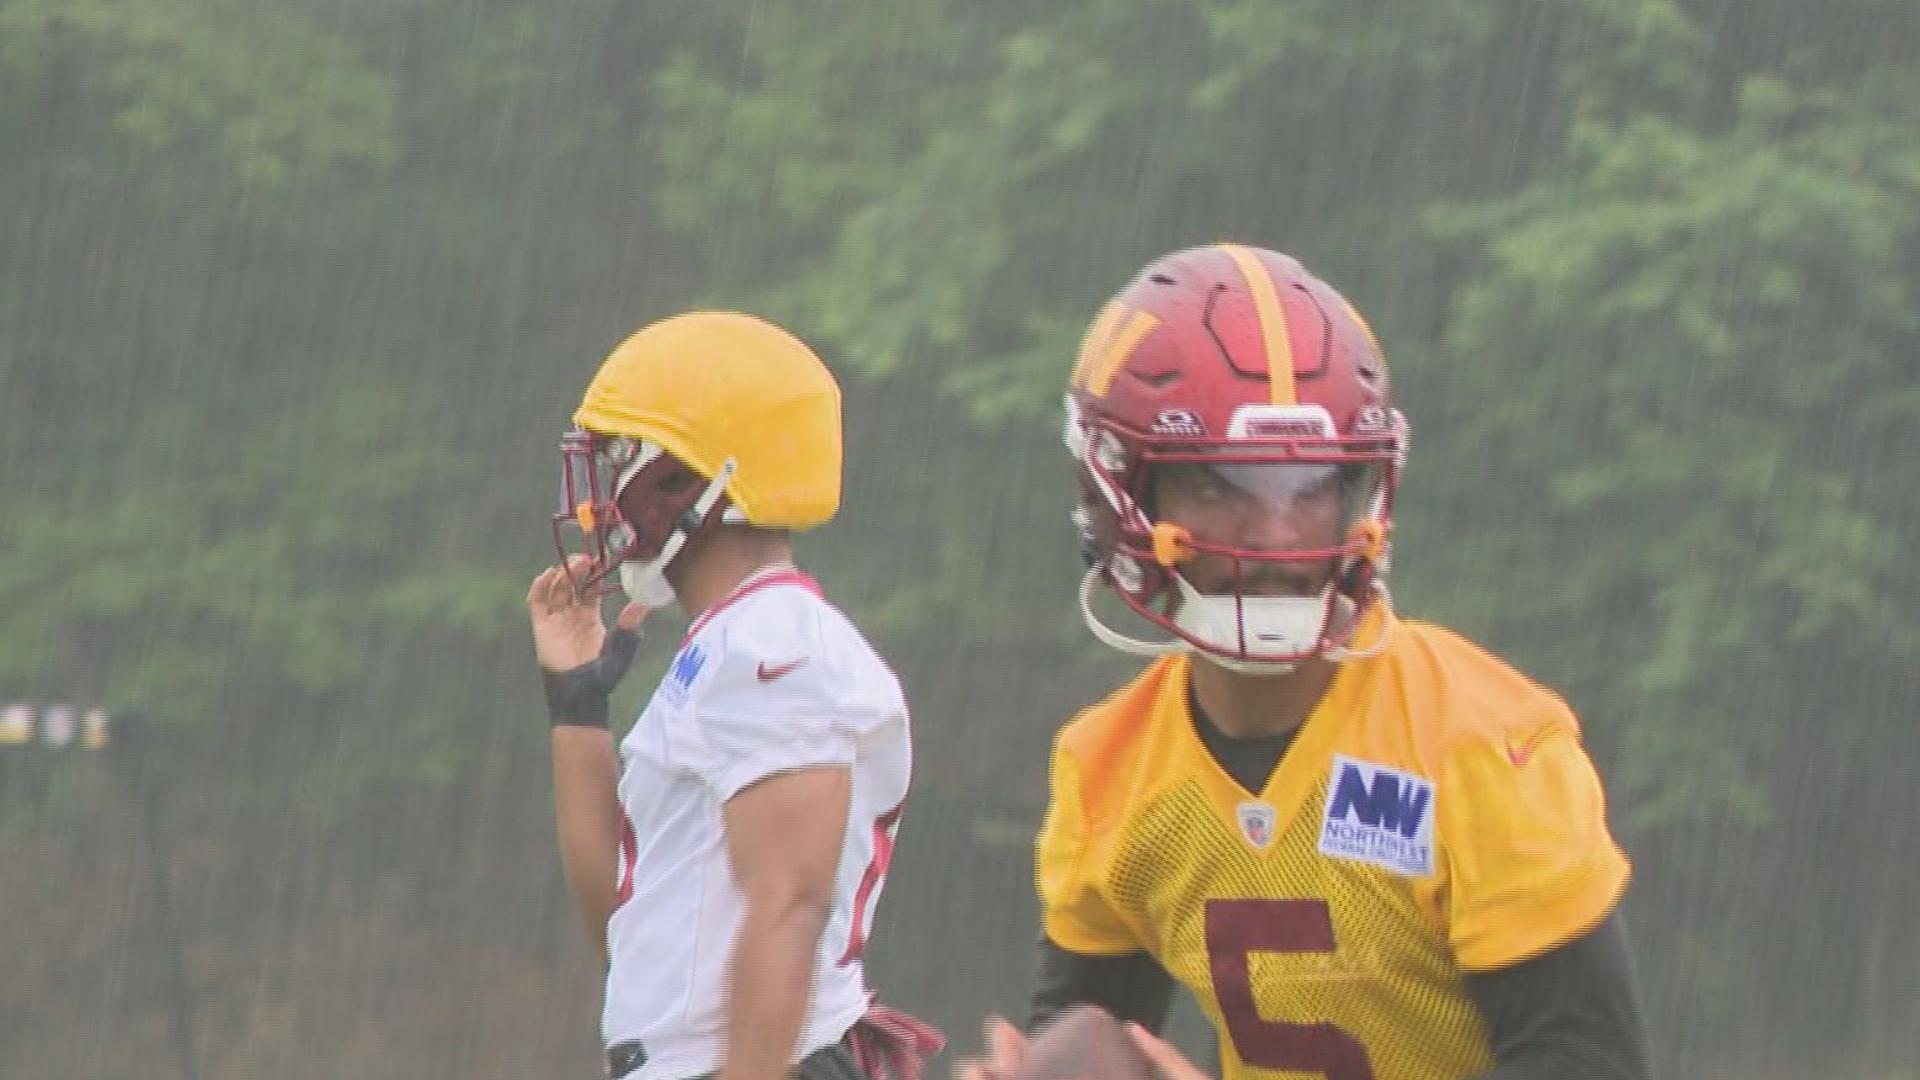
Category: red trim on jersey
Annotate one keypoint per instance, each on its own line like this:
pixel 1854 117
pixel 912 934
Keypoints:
pixel 747 588
pixel 884 828
pixel 629 854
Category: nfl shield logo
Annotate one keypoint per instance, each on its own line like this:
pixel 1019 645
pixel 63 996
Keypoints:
pixel 1256 823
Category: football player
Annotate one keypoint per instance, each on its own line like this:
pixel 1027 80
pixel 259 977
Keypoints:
pixel 728 857
pixel 1368 847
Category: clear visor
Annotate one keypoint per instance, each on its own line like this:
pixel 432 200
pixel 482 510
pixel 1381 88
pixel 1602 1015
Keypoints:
pixel 1340 492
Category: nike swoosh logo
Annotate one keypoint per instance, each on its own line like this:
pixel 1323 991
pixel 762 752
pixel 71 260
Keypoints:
pixel 1519 755
pixel 776 671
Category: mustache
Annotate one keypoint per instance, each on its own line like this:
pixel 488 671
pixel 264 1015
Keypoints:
pixel 1263 581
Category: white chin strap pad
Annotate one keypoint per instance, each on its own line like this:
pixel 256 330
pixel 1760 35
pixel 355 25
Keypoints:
pixel 1112 638
pixel 1288 625
pixel 646 583
pixel 1288 619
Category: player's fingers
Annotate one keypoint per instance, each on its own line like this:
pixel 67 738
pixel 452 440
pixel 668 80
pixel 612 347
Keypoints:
pixel 973 1069
pixel 1006 1046
pixel 1004 1049
pixel 1172 1064
pixel 542 585
pixel 631 617
pixel 569 590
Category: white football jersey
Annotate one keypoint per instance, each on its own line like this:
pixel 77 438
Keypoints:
pixel 771 680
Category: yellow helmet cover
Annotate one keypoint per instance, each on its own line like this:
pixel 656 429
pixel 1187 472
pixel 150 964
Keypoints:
pixel 711 385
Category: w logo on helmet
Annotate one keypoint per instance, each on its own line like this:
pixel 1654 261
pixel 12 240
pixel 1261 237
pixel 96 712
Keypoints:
pixel 1109 341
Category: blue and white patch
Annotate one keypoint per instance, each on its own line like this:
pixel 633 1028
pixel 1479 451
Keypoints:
pixel 686 668
pixel 1379 815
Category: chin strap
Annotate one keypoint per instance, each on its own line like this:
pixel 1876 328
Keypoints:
pixel 1138 647
pixel 1114 638
pixel 1155 649
pixel 638 579
pixel 1387 619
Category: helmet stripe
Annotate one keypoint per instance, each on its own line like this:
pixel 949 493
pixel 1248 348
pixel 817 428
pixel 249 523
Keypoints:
pixel 1109 342
pixel 1366 328
pixel 1272 317
pixel 1096 339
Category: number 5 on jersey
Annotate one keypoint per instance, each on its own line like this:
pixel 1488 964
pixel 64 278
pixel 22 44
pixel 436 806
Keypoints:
pixel 1238 928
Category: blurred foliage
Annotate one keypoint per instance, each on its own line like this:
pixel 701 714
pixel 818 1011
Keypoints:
pixel 296 298
pixel 259 85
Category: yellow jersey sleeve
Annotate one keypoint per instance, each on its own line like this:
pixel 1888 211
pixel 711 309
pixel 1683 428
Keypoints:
pixel 1531 864
pixel 1073 911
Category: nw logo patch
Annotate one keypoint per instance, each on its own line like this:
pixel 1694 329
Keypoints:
pixel 1379 815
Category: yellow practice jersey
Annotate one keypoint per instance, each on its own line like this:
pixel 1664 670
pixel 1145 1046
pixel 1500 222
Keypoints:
pixel 1435 814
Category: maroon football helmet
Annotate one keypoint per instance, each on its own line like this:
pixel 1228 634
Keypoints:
pixel 1237 365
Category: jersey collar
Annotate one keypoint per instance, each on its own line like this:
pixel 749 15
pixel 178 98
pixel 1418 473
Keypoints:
pixel 766 577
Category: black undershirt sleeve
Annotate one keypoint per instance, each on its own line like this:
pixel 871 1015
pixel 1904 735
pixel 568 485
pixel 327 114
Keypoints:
pixel 1132 986
pixel 1569 1014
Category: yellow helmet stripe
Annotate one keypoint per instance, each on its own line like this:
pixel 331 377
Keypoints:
pixel 1273 323
pixel 1096 340
pixel 1366 328
pixel 1109 342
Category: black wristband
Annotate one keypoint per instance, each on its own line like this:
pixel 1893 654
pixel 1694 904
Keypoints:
pixel 578 697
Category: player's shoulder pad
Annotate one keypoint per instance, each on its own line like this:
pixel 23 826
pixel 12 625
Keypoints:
pixel 1122 717
pixel 776 618
pixel 1103 741
pixel 773 638
pixel 789 647
pixel 1472 697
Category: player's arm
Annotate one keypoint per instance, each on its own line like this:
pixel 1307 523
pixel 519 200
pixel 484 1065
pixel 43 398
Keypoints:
pixel 1570 1012
pixel 587 818
pixel 784 834
pixel 1536 883
pixel 1132 986
pixel 580 664
pixel 1088 953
